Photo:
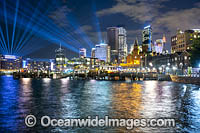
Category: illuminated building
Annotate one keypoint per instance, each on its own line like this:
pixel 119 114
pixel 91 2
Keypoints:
pixel 158 46
pixel 182 41
pixel 147 37
pixel 84 62
pixel 114 56
pixel 112 38
pixel 135 57
pixel 116 38
pixel 37 64
pixel 61 60
pixel 82 52
pixel 122 45
pixel 180 60
pixel 93 53
pixel 164 44
pixel 102 52
pixel 10 62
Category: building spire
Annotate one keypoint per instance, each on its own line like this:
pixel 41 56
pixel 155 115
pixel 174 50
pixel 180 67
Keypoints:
pixel 136 41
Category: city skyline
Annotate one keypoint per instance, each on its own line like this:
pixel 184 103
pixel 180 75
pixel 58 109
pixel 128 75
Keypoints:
pixel 99 66
pixel 88 29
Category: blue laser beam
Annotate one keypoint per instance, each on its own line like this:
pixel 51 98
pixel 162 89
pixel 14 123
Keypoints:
pixel 27 27
pixel 3 38
pixel 96 22
pixel 48 32
pixel 2 46
pixel 77 27
pixel 61 31
pixel 5 17
pixel 14 25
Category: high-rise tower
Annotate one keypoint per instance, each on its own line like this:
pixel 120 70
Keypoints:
pixel 147 37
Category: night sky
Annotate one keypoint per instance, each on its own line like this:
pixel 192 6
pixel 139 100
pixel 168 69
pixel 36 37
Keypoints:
pixel 83 23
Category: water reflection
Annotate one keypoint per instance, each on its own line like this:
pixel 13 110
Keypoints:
pixel 8 103
pixel 66 98
pixel 126 100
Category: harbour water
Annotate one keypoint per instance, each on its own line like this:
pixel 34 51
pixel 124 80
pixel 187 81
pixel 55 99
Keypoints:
pixel 64 98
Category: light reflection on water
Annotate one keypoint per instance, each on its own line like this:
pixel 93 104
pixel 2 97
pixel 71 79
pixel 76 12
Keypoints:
pixel 66 98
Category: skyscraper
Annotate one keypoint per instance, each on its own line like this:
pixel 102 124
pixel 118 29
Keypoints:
pixel 112 37
pixel 122 45
pixel 147 37
pixel 116 37
pixel 60 59
pixel 82 52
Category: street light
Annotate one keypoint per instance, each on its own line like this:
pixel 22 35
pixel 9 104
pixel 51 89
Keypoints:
pixel 174 68
pixel 150 64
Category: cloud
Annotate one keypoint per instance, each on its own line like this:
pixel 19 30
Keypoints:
pixel 59 16
pixel 182 19
pixel 86 28
pixel 139 11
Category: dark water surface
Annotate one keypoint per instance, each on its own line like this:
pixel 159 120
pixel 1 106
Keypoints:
pixel 65 98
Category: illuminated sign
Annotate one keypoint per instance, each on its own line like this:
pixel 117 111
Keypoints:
pixel 10 57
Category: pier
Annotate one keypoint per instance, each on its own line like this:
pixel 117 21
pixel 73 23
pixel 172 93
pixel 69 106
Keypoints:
pixel 118 76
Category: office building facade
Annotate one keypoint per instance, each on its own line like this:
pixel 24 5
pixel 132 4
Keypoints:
pixel 147 37
pixel 122 45
pixel 10 62
pixel 183 40
pixel 61 60
pixel 102 52
pixel 117 40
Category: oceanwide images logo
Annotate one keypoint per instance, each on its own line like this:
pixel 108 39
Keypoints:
pixel 129 124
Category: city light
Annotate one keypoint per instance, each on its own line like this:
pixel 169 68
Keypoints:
pixel 174 68
pixel 24 64
pixel 151 64
pixel 147 27
pixel 10 57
